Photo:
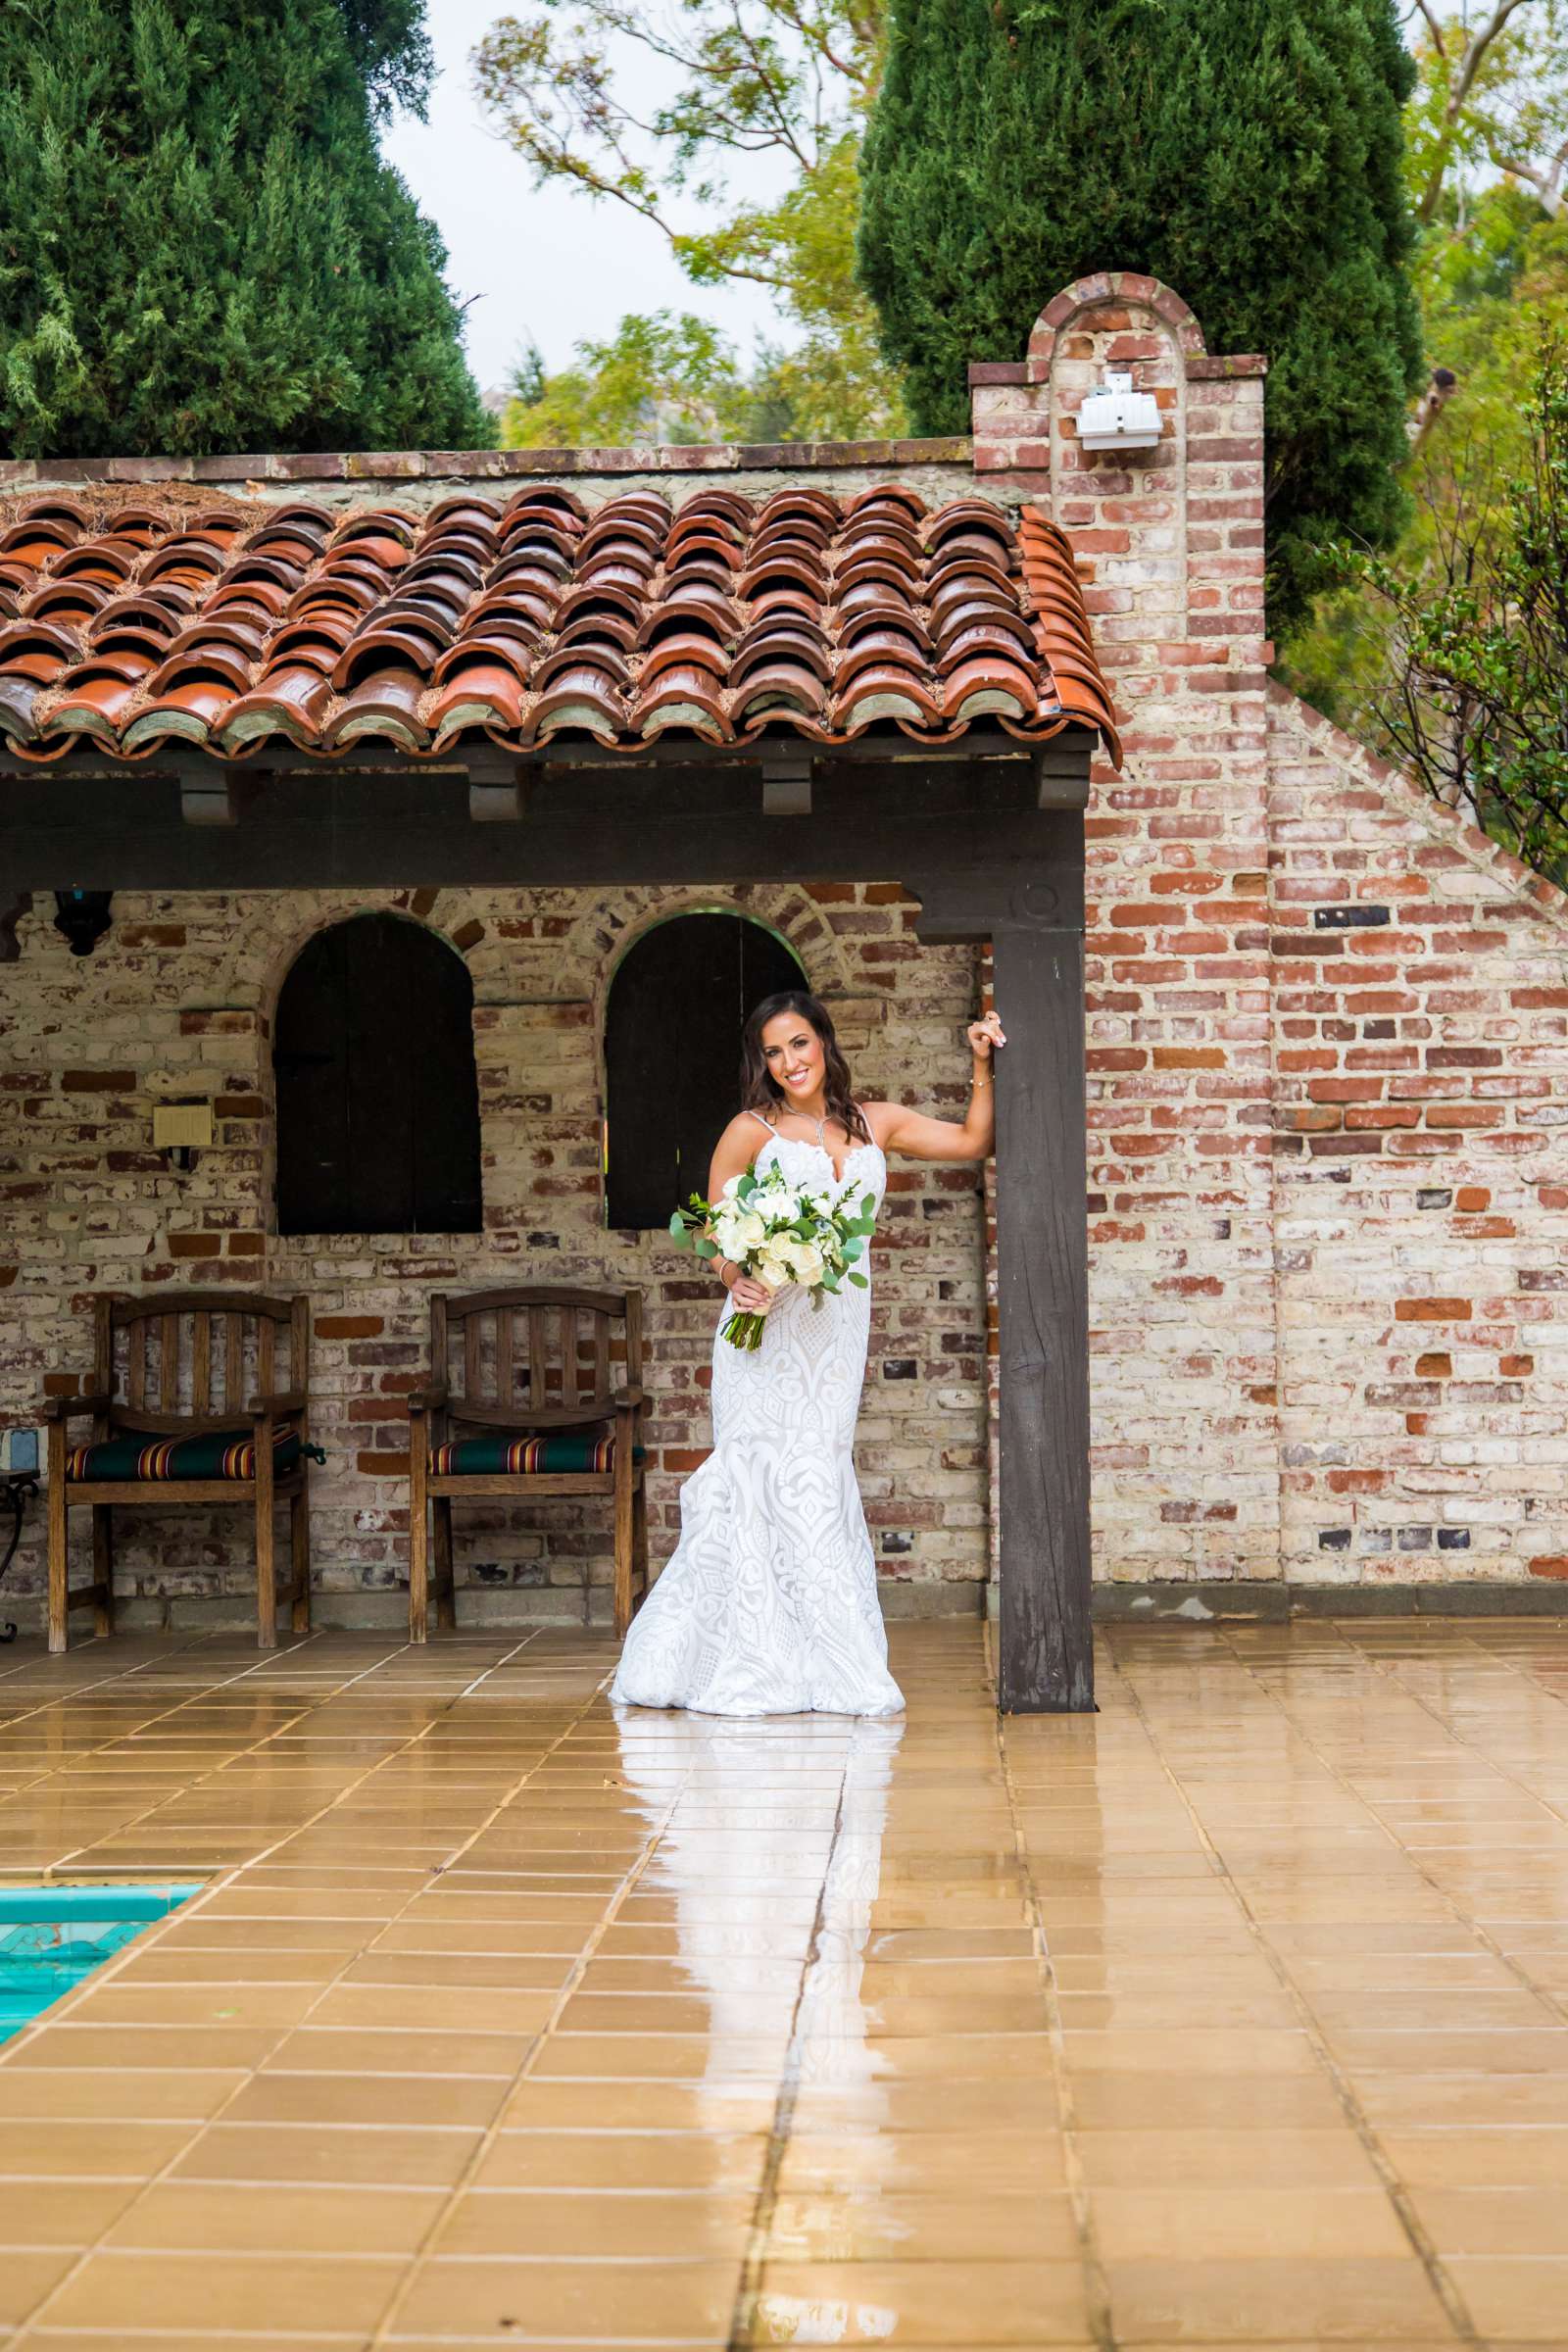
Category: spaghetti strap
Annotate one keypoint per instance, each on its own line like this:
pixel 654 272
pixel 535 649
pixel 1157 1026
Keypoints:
pixel 757 1114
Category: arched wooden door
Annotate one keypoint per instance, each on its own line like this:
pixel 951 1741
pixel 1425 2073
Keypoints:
pixel 672 1047
pixel 377 1095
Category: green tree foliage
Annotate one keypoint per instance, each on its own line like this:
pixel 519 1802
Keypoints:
pixel 653 112
pixel 390 46
pixel 1474 695
pixel 1246 152
pixel 203 249
pixel 1492 97
pixel 659 378
pixel 1484 158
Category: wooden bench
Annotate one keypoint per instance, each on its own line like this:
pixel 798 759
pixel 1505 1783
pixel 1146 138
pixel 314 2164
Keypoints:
pixel 527 1380
pixel 184 1411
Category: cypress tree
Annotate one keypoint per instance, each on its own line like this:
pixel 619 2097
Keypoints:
pixel 203 250
pixel 1246 152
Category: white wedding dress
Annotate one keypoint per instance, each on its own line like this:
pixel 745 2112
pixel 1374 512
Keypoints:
pixel 768 1605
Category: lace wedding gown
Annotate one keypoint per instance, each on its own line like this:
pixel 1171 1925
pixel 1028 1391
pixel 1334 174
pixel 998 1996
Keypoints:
pixel 768 1605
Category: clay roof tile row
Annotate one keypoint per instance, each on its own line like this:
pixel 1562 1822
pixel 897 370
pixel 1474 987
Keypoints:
pixel 722 619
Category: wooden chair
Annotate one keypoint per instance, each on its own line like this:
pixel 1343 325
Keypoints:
pixel 525 1377
pixel 184 1411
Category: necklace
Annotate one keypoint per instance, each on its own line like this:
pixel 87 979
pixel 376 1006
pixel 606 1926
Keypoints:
pixel 790 1111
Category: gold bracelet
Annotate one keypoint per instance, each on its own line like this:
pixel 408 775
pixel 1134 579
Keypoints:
pixel 974 1082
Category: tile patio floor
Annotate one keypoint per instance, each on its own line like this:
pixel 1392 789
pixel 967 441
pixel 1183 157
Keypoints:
pixel 1232 2016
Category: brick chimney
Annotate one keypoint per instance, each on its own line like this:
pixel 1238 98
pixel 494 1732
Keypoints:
pixel 1169 540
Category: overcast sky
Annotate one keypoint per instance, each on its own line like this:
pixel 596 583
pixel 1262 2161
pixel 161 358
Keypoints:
pixel 537 263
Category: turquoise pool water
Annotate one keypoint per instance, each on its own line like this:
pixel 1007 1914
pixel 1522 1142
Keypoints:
pixel 52 1936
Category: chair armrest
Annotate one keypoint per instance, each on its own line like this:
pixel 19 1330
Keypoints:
pixel 625 1399
pixel 68 1408
pixel 279 1403
pixel 428 1401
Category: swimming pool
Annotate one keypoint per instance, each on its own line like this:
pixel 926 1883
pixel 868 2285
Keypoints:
pixel 52 1936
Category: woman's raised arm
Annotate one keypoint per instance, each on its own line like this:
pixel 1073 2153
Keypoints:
pixel 919 1137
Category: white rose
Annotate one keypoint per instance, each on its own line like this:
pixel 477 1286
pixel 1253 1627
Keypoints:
pixel 784 1204
pixel 730 1185
pixel 749 1233
pixel 807 1262
pixel 772 1271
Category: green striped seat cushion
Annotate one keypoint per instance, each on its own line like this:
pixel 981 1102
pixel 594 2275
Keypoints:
pixel 212 1453
pixel 561 1450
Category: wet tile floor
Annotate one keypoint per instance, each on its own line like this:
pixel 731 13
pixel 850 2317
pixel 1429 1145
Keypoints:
pixel 1234 2015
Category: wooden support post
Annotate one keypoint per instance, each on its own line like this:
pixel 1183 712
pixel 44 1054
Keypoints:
pixel 1032 912
pixel 1046 1647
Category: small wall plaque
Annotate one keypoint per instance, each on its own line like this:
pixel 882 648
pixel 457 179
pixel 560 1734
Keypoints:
pixel 183 1126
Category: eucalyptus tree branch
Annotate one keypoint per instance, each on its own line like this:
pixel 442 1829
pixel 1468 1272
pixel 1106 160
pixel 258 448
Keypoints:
pixel 1547 180
pixel 1489 29
pixel 1434 24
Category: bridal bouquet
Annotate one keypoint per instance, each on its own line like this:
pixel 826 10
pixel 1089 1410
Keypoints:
pixel 777 1232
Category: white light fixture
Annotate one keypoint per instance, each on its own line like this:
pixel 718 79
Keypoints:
pixel 1119 417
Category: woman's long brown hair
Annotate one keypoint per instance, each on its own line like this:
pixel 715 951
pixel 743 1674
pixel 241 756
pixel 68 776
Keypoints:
pixel 760 1092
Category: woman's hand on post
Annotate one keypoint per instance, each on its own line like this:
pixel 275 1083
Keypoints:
pixel 986 1034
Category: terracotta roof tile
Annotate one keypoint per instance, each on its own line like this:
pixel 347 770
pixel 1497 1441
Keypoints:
pixel 629 621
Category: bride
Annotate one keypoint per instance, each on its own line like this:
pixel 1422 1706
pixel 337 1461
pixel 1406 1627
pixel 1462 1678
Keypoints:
pixel 768 1605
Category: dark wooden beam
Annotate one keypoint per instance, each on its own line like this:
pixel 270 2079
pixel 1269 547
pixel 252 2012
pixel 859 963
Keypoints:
pixel 571 825
pixel 1034 921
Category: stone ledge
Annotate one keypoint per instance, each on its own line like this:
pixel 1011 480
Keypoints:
pixel 1276 1603
pixel 481 1608
pixel 482 465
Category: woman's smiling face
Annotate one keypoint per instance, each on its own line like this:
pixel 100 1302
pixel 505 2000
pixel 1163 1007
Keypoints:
pixel 793 1054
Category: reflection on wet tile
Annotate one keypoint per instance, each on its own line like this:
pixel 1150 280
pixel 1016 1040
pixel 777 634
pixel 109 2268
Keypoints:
pixel 967 2303
pixel 507 2021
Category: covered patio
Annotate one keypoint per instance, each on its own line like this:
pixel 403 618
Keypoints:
pixel 1232 2015
pixel 797 686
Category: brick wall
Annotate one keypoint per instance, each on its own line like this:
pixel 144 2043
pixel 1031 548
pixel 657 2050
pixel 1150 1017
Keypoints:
pixel 1420 1042
pixel 176 1000
pixel 1328 1050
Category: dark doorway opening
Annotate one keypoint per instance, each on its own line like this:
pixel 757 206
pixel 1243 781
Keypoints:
pixel 377 1094
pixel 672 1050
